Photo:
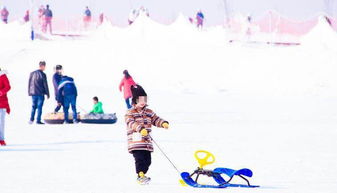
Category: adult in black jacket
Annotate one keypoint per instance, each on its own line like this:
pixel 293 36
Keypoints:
pixel 37 88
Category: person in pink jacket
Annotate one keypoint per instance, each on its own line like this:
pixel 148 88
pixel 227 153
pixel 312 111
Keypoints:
pixel 126 84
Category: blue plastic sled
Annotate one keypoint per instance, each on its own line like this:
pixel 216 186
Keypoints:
pixel 216 174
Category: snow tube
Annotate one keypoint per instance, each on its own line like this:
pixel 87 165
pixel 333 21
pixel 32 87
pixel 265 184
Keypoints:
pixel 57 118
pixel 99 118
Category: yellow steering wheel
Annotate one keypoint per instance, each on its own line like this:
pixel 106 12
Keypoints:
pixel 203 157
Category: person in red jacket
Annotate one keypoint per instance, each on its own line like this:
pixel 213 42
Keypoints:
pixel 4 106
pixel 126 83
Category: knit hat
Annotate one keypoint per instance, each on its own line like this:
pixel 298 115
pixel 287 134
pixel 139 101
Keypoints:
pixel 137 91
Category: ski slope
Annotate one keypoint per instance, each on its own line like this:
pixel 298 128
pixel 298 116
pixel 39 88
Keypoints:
pixel 268 108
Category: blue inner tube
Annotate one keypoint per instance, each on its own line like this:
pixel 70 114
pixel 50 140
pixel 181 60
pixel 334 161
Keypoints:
pixel 99 121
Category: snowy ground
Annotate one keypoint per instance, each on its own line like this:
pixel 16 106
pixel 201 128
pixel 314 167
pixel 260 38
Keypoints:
pixel 270 109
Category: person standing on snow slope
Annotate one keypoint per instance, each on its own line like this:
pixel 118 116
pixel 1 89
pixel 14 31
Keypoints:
pixel 4 106
pixel 26 17
pixel 87 17
pixel 47 17
pixel 37 88
pixel 126 83
pixel 41 17
pixel 67 93
pixel 144 11
pixel 57 77
pixel 133 16
pixel 139 120
pixel 200 19
pixel 101 18
pixel 4 15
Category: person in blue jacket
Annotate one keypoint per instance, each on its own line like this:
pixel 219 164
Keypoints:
pixel 87 17
pixel 87 11
pixel 67 93
pixel 200 19
pixel 57 77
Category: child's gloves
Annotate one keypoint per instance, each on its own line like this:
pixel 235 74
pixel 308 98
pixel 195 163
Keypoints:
pixel 165 125
pixel 144 132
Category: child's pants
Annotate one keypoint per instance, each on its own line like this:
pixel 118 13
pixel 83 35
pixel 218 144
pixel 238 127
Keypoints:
pixel 142 160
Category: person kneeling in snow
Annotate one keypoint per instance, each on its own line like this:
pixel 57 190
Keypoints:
pixel 139 120
pixel 97 106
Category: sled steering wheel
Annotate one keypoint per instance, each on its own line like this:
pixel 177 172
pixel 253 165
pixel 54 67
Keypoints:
pixel 203 157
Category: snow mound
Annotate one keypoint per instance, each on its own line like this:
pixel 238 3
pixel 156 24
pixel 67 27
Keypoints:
pixel 321 35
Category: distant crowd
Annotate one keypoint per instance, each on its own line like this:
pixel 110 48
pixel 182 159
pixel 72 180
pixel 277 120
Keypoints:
pixel 45 17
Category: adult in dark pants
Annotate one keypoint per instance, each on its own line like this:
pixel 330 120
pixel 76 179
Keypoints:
pixel 68 93
pixel 57 77
pixel 37 88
